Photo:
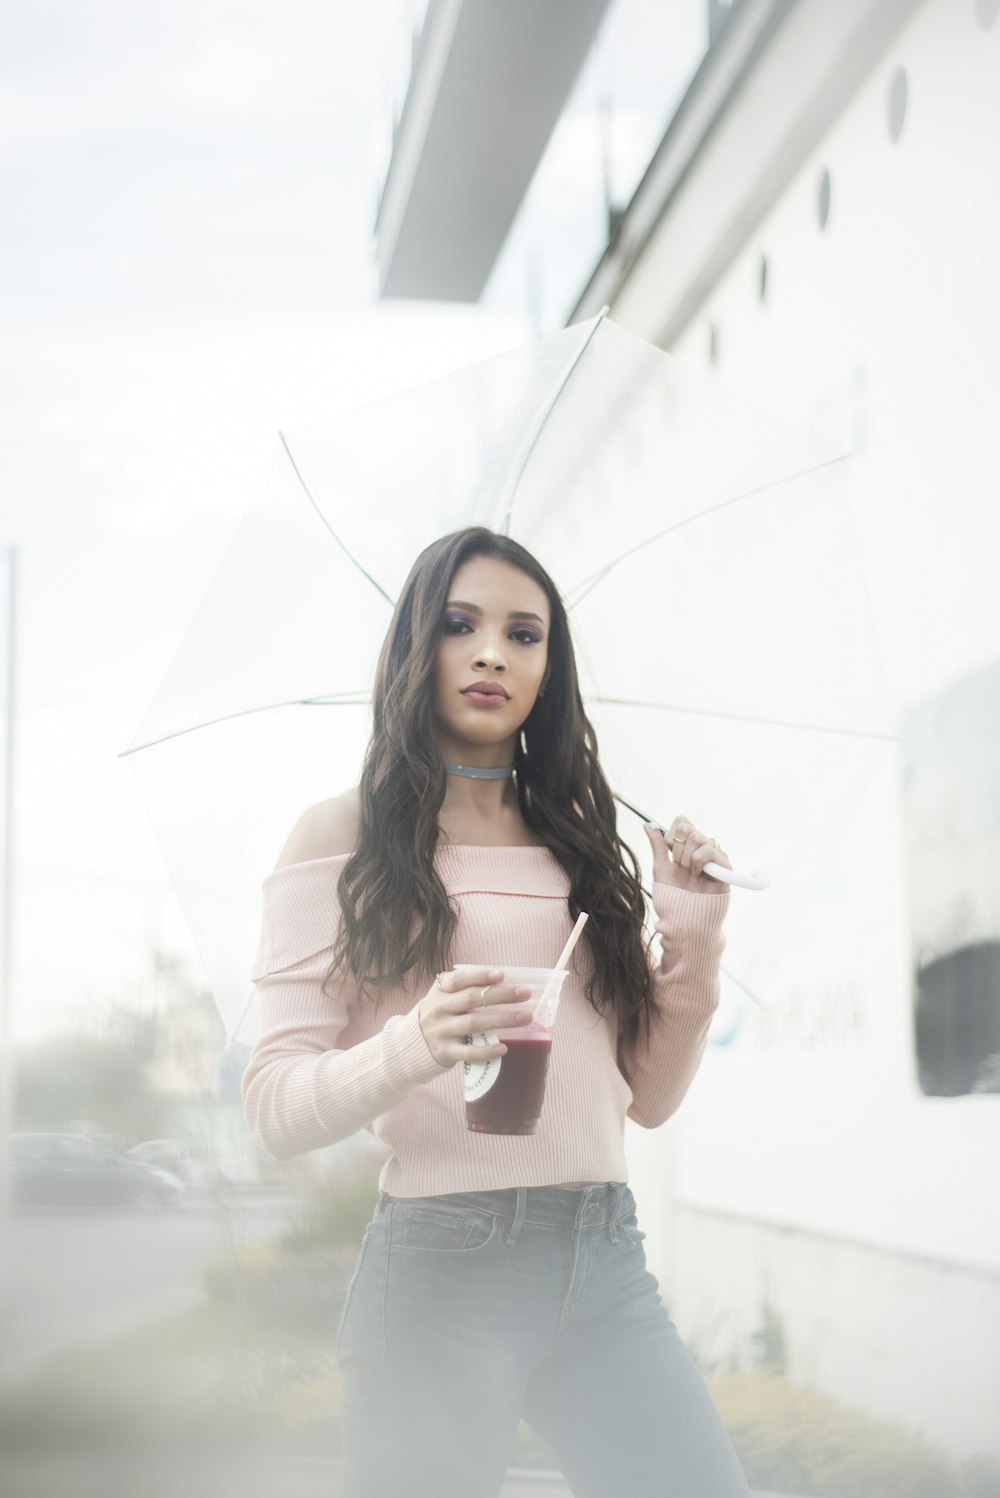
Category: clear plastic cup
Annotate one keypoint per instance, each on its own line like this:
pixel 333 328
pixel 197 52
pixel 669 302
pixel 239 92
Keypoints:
pixel 503 1094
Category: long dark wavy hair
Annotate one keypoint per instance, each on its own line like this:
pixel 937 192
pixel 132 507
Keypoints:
pixel 396 913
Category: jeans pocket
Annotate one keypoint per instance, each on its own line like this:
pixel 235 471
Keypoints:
pixel 629 1226
pixel 446 1230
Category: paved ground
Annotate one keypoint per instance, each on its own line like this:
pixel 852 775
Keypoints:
pixel 77 1278
pixel 76 1474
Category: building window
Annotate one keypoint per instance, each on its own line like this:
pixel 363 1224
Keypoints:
pixel 957 1021
pixel 951 820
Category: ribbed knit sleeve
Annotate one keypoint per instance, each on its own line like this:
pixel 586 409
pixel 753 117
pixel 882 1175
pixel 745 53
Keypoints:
pixel 686 993
pixel 299 1091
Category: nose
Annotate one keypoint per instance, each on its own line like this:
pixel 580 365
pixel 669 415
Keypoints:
pixel 490 653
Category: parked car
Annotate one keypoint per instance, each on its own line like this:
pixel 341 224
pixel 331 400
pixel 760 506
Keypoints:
pixel 203 1175
pixel 70 1170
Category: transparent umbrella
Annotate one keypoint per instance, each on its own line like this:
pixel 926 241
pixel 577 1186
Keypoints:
pixel 709 561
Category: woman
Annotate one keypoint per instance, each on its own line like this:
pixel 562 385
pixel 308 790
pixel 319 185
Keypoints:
pixel 501 1276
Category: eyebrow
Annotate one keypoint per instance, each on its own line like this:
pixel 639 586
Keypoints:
pixel 456 603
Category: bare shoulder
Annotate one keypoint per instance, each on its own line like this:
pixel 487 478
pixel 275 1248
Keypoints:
pixel 325 830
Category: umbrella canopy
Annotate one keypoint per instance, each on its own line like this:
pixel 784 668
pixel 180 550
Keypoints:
pixel 708 558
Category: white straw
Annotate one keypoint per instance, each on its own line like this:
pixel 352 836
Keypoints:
pixel 574 935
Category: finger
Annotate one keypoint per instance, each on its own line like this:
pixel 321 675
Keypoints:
pixel 679 835
pixel 460 986
pixel 694 843
pixel 468 1046
pixel 658 842
pixel 711 854
pixel 493 1016
pixel 684 849
pixel 717 854
pixel 452 981
pixel 703 855
pixel 470 1001
pixel 474 1050
pixel 475 999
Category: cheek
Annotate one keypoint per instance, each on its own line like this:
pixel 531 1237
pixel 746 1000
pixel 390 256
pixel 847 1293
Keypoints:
pixel 445 670
pixel 445 662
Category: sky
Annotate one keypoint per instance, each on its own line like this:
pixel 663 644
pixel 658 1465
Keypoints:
pixel 187 267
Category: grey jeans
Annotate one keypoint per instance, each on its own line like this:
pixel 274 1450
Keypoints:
pixel 471 1311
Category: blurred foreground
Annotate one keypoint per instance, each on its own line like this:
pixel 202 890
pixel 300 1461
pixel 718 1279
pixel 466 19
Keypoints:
pixel 192 1353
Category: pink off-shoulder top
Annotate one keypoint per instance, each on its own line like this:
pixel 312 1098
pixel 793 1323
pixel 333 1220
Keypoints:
pixel 324 1068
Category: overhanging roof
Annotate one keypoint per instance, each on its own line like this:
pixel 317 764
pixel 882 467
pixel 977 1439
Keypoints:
pixel 488 85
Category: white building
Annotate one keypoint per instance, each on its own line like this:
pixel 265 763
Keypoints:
pixel 819 223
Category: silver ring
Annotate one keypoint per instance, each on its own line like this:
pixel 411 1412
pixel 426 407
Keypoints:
pixel 482 996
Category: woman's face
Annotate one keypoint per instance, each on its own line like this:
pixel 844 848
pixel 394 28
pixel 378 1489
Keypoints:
pixel 481 641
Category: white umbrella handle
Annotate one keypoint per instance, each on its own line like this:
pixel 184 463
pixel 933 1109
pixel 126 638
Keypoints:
pixel 756 879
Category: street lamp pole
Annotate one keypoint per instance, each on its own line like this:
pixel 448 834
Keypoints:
pixel 8 1075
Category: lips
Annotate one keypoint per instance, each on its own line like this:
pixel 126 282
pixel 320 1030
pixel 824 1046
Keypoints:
pixel 487 689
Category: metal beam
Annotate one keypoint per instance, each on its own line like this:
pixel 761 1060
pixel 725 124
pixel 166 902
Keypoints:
pixel 489 82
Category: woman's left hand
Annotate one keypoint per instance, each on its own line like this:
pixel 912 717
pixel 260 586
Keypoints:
pixel 679 857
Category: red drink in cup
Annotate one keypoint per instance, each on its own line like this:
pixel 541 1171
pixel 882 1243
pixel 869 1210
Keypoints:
pixel 513 1104
pixel 503 1095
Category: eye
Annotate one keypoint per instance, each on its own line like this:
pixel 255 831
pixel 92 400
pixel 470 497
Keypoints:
pixel 462 624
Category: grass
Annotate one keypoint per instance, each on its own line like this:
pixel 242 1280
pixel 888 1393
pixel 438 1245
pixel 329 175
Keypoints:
pixel 333 1215
pixel 797 1440
pixel 219 1368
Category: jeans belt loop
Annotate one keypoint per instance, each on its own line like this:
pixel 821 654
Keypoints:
pixel 522 1206
pixel 618 1212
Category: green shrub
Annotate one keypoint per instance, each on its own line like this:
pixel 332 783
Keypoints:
pixel 334 1214
pixel 279 1396
pixel 800 1441
pixel 225 1276
pixel 298 1281
pixel 531 1451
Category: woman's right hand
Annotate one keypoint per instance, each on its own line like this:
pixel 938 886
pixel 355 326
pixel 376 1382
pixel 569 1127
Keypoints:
pixel 452 1008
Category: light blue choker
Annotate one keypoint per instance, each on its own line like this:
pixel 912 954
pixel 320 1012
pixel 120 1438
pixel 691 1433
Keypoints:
pixel 475 774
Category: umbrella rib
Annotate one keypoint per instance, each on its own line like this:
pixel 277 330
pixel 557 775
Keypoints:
pixel 352 559
pixel 740 984
pixel 706 712
pixel 534 436
pixel 342 699
pixel 591 582
pixel 360 698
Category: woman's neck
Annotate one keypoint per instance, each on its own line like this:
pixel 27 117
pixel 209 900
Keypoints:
pixel 470 820
pixel 480 800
